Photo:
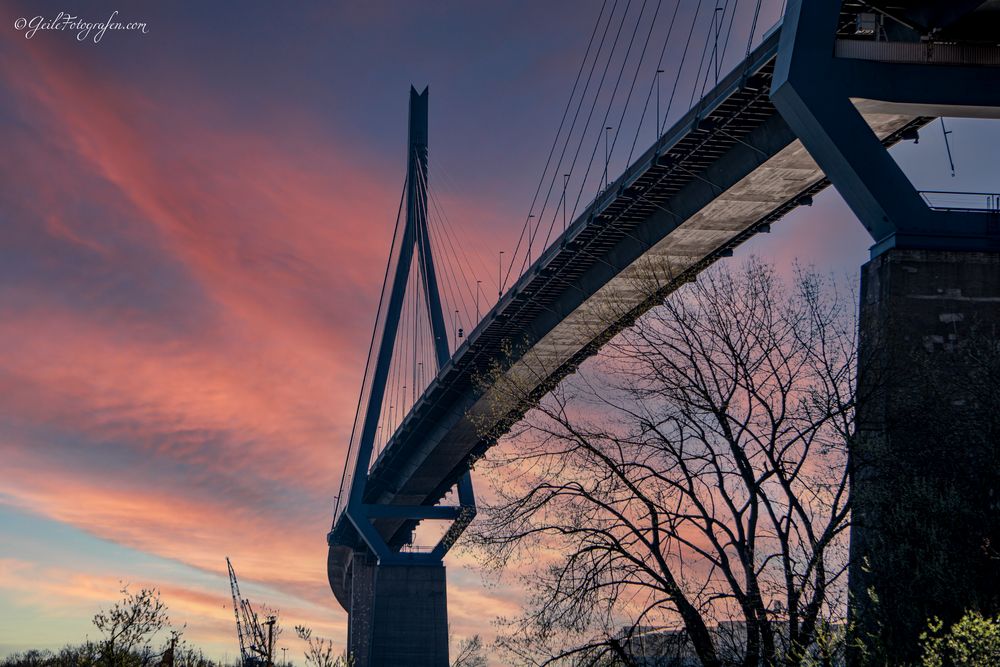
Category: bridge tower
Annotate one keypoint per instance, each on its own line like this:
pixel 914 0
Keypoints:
pixel 395 596
pixel 925 478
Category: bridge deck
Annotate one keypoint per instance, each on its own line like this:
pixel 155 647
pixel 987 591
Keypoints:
pixel 725 171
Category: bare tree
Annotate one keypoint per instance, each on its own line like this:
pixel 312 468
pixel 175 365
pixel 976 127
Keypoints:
pixel 470 653
pixel 687 489
pixel 320 651
pixel 129 627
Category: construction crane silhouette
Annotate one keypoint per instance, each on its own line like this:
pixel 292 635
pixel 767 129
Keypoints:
pixel 256 646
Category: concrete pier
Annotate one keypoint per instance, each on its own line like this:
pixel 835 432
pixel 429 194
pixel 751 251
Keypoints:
pixel 398 615
pixel 926 461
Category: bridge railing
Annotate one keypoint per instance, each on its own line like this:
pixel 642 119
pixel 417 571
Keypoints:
pixel 943 200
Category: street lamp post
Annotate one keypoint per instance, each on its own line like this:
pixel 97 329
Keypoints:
pixel 500 277
pixel 658 120
pixel 607 155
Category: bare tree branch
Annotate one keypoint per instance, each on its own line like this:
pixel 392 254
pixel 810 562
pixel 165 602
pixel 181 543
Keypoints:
pixel 690 482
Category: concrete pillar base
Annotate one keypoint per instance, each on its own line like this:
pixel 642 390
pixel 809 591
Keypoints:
pixel 925 465
pixel 359 616
pixel 400 616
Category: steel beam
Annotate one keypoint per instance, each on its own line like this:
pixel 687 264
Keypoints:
pixel 818 94
pixel 919 457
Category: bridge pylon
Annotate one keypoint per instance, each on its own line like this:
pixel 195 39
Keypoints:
pixel 923 461
pixel 395 595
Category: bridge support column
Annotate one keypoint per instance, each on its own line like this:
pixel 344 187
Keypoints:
pixel 926 463
pixel 359 615
pixel 397 603
pixel 399 615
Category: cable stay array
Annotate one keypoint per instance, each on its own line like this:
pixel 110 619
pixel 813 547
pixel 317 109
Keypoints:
pixel 644 66
pixel 436 288
pixel 466 289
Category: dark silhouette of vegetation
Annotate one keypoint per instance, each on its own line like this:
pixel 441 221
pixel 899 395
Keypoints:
pixel 129 626
pixel 133 632
pixel 127 631
pixel 689 485
pixel 470 653
pixel 320 651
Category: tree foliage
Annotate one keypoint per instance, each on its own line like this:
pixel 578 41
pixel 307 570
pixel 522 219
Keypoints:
pixel 128 630
pixel 974 641
pixel 129 626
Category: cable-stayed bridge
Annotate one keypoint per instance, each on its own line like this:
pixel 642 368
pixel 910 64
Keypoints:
pixel 814 101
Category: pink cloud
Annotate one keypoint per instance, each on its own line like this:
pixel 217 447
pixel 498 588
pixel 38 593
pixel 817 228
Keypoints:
pixel 278 239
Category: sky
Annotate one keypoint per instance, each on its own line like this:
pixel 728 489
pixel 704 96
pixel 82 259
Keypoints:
pixel 194 223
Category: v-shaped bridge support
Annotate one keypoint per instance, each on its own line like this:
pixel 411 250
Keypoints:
pixel 415 246
pixel 397 599
pixel 821 84
pixel 922 458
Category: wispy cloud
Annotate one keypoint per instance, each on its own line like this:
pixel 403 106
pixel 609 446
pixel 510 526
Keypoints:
pixel 185 300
